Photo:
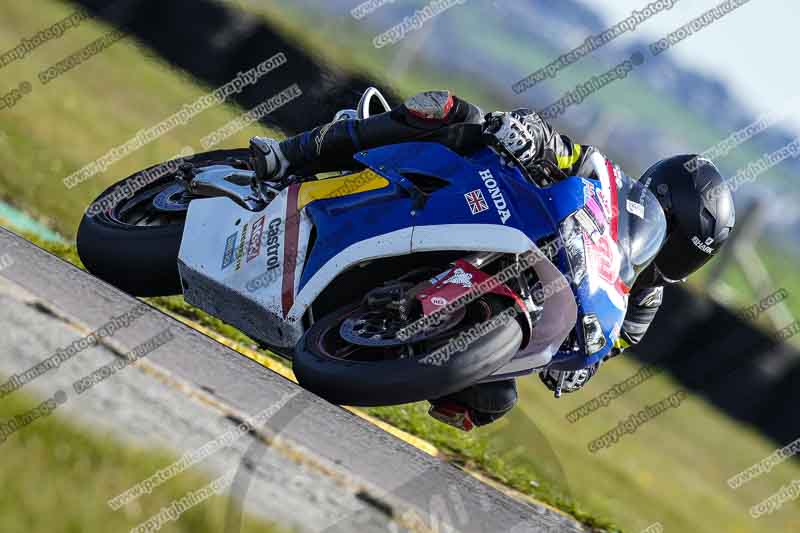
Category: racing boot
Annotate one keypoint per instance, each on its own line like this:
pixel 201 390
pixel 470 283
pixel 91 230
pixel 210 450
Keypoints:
pixel 478 405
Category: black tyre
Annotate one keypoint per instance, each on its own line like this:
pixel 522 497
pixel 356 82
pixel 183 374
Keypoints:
pixel 376 376
pixel 133 242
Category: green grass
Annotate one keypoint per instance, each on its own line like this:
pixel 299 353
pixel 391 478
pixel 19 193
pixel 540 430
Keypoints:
pixel 57 478
pixel 744 296
pixel 673 470
pixel 782 269
pixel 78 117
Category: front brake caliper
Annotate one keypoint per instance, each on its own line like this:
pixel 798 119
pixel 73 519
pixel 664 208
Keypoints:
pixel 394 296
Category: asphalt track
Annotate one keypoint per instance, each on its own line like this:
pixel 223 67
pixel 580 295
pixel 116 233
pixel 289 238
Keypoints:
pixel 313 465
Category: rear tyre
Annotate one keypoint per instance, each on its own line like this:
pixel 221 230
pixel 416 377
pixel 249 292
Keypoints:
pixel 133 242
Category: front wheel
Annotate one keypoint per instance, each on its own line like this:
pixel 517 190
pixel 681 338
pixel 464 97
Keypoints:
pixel 353 357
pixel 131 235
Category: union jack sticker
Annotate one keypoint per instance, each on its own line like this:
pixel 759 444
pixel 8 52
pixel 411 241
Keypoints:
pixel 476 201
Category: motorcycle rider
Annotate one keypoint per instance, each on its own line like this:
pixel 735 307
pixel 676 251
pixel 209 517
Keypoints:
pixel 697 223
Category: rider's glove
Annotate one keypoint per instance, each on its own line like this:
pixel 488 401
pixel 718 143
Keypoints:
pixel 267 159
pixel 515 133
pixel 560 381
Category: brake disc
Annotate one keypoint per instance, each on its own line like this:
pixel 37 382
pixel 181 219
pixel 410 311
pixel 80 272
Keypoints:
pixel 374 328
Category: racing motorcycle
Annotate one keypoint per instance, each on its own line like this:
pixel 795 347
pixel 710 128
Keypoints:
pixel 422 273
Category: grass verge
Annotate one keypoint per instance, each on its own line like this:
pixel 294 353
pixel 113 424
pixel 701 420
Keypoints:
pixel 57 477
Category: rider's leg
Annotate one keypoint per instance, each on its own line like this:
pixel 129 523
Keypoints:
pixel 331 146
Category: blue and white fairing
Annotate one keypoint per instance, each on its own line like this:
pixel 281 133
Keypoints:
pixel 262 271
pixel 508 201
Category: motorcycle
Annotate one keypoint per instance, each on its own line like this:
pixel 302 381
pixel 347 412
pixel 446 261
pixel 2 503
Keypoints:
pixel 422 273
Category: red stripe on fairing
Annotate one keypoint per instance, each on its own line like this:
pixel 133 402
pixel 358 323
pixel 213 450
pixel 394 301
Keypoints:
pixel 612 185
pixel 621 287
pixel 290 248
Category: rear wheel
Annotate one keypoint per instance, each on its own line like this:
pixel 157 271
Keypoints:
pixel 132 241
pixel 354 357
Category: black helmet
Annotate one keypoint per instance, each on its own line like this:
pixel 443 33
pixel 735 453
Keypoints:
pixel 700 213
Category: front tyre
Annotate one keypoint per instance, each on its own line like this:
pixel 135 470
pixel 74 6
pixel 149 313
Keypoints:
pixel 333 367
